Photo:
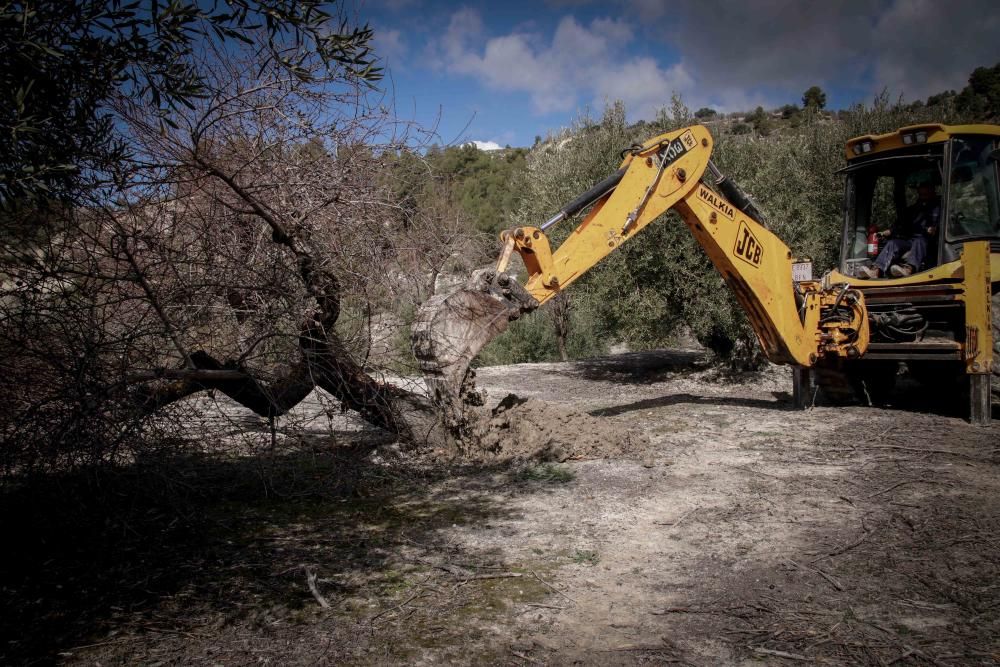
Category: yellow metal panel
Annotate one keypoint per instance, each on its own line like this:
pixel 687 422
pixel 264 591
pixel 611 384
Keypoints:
pixel 757 265
pixel 977 295
pixel 936 133
pixel 942 272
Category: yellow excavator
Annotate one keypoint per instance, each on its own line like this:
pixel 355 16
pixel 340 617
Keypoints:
pixel 845 334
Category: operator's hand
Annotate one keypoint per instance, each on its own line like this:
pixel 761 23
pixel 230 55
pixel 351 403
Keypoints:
pixel 885 233
pixel 932 230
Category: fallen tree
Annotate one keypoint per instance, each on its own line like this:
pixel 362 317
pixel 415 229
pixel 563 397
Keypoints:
pixel 247 246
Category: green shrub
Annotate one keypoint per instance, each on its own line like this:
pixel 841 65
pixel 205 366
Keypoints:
pixel 547 472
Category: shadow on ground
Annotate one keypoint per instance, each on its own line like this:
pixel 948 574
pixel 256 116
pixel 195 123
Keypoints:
pixel 158 547
pixel 781 402
pixel 639 367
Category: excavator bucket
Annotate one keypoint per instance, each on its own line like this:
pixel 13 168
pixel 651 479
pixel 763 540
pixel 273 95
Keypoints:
pixel 451 329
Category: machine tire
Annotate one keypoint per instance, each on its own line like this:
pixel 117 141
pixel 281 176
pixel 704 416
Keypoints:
pixel 833 387
pixel 864 383
pixel 873 381
pixel 938 375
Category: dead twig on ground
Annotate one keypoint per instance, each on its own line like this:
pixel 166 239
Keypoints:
pixel 756 472
pixel 402 604
pixel 498 575
pixel 779 654
pixel 170 631
pixel 680 520
pixel 116 640
pixel 551 587
pixel 682 610
pixel 907 481
pixel 833 582
pixel 542 606
pixel 526 658
pixel 918 450
pixel 314 589
pixel 845 549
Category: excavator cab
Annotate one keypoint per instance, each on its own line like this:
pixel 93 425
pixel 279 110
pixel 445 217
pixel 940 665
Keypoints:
pixel 941 320
pixel 883 183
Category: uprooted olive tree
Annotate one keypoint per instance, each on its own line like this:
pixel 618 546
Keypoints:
pixel 247 246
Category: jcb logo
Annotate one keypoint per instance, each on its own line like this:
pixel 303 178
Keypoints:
pixel 747 247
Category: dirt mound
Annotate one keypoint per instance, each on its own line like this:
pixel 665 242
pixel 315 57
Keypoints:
pixel 531 429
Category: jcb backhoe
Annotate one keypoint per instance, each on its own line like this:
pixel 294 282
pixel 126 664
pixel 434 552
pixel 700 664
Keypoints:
pixel 845 334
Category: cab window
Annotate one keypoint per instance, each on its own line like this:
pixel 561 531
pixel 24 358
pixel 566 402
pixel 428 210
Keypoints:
pixel 879 196
pixel 972 191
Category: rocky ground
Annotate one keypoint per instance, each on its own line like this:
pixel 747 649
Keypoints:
pixel 706 523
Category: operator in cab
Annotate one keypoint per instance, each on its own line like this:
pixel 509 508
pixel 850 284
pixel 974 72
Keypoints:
pixel 911 245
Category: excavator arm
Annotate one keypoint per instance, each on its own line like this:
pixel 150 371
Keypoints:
pixel 795 322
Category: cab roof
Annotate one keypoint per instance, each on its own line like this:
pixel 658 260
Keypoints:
pixel 935 133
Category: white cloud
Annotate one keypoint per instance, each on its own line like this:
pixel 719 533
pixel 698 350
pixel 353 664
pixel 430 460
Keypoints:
pixel 486 145
pixel 390 47
pixel 580 64
pixel 729 56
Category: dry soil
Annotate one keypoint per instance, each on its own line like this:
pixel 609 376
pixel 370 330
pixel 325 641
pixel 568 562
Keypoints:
pixel 692 518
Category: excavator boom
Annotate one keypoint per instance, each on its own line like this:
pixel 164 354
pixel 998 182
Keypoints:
pixel 796 322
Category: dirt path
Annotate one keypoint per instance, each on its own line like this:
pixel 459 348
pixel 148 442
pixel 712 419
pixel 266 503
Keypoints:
pixel 750 530
pixel 745 533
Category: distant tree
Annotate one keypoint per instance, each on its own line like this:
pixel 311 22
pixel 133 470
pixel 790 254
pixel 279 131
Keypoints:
pixel 758 118
pixel 705 113
pixel 741 128
pixel 789 110
pixel 677 115
pixel 941 98
pixel 479 183
pixel 814 97
pixel 980 100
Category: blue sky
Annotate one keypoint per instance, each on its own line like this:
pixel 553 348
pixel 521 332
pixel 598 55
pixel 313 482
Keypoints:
pixel 504 72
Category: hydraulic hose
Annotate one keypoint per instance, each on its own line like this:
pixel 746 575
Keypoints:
pixel 586 199
pixel 734 194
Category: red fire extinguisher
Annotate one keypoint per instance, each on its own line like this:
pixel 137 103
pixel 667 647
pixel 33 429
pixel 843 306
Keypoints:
pixel 872 241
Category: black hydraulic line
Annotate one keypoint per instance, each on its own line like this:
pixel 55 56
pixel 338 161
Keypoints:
pixel 734 194
pixel 594 193
pixel 587 198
